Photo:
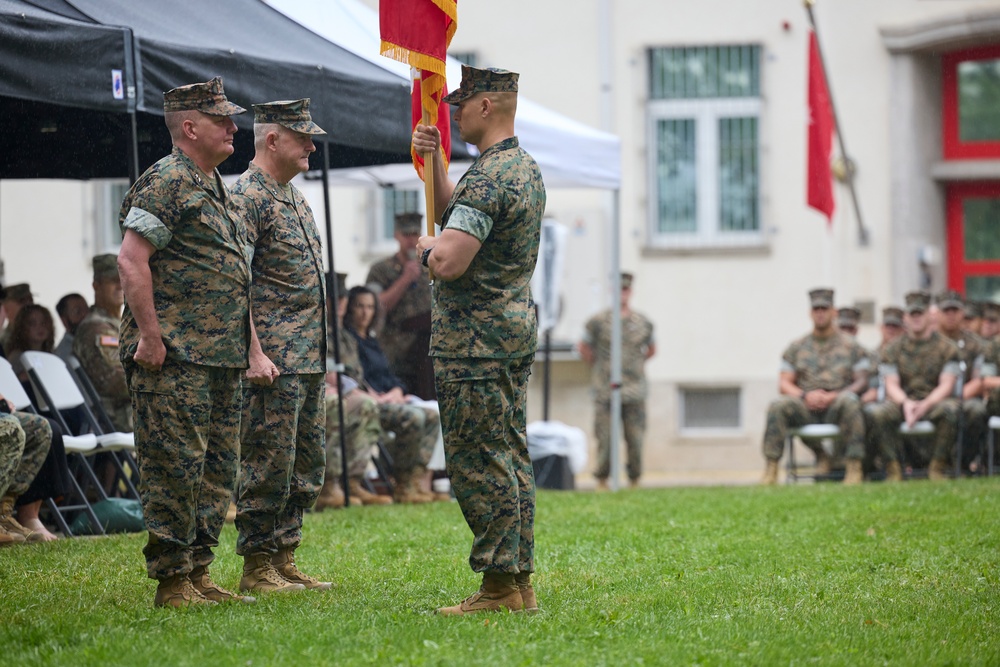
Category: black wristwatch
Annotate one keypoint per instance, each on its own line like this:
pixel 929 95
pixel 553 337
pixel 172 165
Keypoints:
pixel 425 256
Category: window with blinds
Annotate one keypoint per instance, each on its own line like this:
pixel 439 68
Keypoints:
pixel 704 108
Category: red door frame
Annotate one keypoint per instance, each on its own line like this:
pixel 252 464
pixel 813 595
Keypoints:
pixel 958 267
pixel 954 148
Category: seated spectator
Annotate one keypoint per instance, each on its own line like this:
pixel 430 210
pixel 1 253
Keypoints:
pixel 11 450
pixel 973 318
pixel 15 297
pixel 96 344
pixel 819 380
pixel 417 428
pixel 71 310
pixel 989 327
pixel 37 437
pixel 361 423
pixel 31 329
pixel 920 370
pixel 848 319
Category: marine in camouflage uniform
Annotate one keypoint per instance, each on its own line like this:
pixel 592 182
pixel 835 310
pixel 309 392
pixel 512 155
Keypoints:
pixel 813 367
pixel 96 344
pixel 637 346
pixel 406 303
pixel 282 443
pixel 180 224
pixel 920 370
pixel 31 436
pixel 484 334
pixel 990 373
pixel 971 349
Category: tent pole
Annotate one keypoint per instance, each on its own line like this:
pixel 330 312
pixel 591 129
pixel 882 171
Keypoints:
pixel 616 341
pixel 331 290
pixel 131 93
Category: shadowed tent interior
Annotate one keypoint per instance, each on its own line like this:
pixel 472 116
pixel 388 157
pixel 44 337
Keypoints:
pixel 62 118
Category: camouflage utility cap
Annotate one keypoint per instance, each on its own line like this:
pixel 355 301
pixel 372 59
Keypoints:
pixel 917 302
pixel 892 316
pixel 409 223
pixel 821 297
pixel 18 291
pixel 627 279
pixel 973 309
pixel 848 316
pixel 292 114
pixel 105 267
pixel 488 80
pixel 949 299
pixel 208 98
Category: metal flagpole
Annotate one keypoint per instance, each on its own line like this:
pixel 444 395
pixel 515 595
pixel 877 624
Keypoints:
pixel 616 342
pixel 848 164
pixel 331 290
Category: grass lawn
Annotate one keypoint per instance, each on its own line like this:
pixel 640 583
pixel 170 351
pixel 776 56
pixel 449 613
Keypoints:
pixel 809 575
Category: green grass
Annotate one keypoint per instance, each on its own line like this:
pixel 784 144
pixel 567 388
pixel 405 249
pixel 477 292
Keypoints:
pixel 809 575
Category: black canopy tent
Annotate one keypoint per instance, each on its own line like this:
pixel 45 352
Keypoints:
pixel 62 120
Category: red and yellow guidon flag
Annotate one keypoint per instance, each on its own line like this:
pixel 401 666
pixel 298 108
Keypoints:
pixel 418 32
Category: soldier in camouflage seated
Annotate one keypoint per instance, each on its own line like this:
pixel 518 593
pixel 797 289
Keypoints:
pixel 820 379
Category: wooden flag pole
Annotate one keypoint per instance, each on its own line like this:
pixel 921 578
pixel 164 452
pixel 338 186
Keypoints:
pixel 848 165
pixel 429 187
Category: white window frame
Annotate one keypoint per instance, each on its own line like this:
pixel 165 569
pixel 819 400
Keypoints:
pixel 706 114
pixel 107 207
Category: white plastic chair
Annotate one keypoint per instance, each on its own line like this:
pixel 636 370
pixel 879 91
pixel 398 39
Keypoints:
pixel 807 433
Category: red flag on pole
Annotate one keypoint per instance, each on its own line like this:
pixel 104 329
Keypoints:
pixel 418 32
pixel 819 190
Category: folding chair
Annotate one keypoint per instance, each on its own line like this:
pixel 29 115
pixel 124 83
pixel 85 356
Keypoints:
pixel 57 390
pixel 993 426
pixel 77 448
pixel 808 433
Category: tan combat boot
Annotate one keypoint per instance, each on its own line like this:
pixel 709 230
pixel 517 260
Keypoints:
pixel 259 575
pixel 419 475
pixel 853 474
pixel 364 495
pixel 938 470
pixel 893 472
pixel 177 591
pixel 284 562
pixel 602 484
pixel 406 491
pixel 499 592
pixel 203 584
pixel 770 477
pixel 823 463
pixel 9 539
pixel 523 581
pixel 11 525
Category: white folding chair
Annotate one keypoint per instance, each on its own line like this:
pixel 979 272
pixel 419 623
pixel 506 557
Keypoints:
pixel 76 446
pixel 810 433
pixel 55 387
pixel 994 425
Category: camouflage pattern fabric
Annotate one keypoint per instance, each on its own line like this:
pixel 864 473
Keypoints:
pixel 11 449
pixel 788 412
pixel 488 312
pixel 415 428
pixel 633 427
pixel 405 333
pixel 829 363
pixel 187 429
pixel 484 335
pixel 886 418
pixel 482 80
pixel 96 347
pixel 282 459
pixel 201 267
pixel 487 459
pixel 37 441
pixel 361 432
pixel 970 350
pixel 288 293
pixel 919 363
pixel 293 114
pixel 637 336
pixel 416 431
pixel 208 97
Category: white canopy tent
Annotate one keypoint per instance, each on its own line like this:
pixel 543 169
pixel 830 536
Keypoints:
pixel 570 154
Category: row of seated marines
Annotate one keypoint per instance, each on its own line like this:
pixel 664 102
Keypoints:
pixel 920 403
pixel 377 406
